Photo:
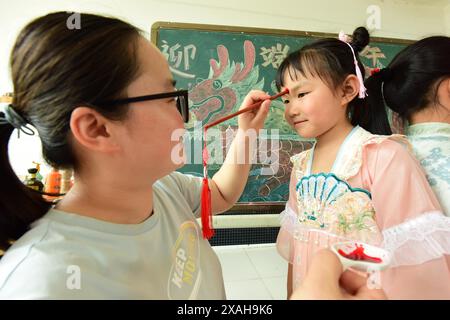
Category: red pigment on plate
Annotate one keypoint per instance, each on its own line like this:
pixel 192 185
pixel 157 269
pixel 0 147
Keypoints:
pixel 359 255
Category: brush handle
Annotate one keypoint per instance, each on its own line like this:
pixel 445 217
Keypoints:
pixel 249 108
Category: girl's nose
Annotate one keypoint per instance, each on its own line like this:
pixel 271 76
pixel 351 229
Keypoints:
pixel 291 111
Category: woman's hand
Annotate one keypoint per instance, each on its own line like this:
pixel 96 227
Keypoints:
pixel 254 119
pixel 229 182
pixel 327 281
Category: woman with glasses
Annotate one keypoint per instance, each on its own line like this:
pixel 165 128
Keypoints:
pixel 103 102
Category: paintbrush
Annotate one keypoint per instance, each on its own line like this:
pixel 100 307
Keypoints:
pixel 249 108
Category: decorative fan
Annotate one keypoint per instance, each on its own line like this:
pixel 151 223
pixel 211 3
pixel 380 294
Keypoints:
pixel 319 191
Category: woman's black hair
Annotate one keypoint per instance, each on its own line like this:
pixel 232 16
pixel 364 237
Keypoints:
pixel 54 69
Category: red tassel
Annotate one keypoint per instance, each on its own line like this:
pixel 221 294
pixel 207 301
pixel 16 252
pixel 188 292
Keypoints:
pixel 206 211
pixel 208 231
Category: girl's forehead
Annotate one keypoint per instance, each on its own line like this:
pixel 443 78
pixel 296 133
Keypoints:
pixel 294 75
pixel 294 78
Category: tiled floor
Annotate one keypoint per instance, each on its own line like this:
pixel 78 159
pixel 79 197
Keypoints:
pixel 253 272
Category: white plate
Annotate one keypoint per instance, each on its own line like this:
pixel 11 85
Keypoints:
pixel 361 265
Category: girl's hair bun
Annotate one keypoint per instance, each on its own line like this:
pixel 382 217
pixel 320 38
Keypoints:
pixel 360 38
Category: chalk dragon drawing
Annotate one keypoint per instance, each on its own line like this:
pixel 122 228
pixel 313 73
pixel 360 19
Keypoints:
pixel 226 86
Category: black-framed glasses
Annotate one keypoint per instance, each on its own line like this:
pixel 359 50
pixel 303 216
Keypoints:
pixel 180 95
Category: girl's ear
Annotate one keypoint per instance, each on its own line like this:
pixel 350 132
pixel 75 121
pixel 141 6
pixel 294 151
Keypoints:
pixel 350 89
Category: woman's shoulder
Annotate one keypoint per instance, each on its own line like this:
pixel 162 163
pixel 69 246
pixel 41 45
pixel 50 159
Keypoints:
pixel 45 264
pixel 179 181
pixel 27 265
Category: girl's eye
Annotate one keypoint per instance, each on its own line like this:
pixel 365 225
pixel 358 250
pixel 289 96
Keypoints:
pixel 286 101
pixel 301 95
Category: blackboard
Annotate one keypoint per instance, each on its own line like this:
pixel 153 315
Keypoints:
pixel 219 65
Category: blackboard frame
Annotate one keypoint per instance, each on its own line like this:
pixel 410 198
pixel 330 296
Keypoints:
pixel 157 26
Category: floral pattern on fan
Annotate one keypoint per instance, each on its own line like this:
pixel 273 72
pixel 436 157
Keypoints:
pixel 329 203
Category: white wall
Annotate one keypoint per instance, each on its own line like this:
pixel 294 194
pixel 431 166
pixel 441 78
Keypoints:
pixel 447 18
pixel 407 19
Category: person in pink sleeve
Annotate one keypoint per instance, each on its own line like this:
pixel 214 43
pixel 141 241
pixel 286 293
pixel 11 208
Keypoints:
pixel 358 182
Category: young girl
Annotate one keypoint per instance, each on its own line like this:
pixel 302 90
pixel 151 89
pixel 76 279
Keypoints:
pixel 416 85
pixel 103 102
pixel 355 184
